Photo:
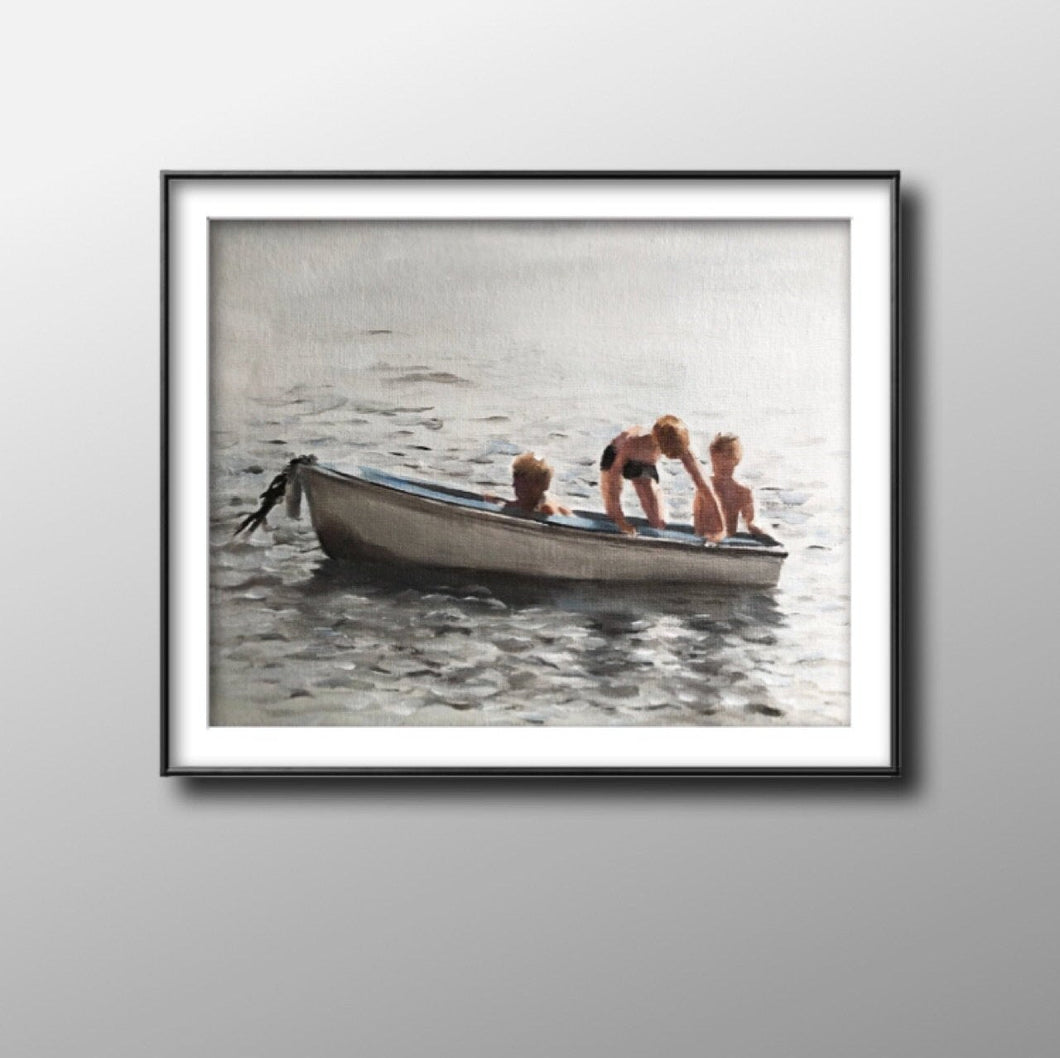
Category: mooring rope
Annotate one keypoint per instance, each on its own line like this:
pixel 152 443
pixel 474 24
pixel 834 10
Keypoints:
pixel 274 493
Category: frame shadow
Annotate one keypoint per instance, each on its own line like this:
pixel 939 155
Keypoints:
pixel 908 667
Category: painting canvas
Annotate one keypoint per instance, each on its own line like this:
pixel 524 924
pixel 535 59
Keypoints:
pixel 530 473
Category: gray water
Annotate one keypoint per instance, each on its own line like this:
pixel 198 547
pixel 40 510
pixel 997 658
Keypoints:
pixel 441 351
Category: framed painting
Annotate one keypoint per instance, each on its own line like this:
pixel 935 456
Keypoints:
pixel 530 473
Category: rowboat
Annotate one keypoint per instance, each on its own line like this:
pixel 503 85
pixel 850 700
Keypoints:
pixel 375 515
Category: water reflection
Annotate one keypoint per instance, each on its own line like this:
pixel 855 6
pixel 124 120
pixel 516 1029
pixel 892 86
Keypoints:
pixel 616 609
pixel 493 646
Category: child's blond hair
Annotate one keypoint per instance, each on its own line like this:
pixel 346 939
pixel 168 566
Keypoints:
pixel 536 471
pixel 727 444
pixel 671 435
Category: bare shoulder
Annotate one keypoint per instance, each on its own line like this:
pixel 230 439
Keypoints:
pixel 631 433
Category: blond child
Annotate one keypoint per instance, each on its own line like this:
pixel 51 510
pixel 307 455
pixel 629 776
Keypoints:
pixel 734 499
pixel 531 478
pixel 632 455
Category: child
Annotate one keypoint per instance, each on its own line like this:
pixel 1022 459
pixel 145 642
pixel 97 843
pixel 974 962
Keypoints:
pixel 531 478
pixel 734 499
pixel 632 456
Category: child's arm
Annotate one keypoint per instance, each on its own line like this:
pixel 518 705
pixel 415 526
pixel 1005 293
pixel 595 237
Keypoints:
pixel 706 500
pixel 705 517
pixel 612 491
pixel 748 512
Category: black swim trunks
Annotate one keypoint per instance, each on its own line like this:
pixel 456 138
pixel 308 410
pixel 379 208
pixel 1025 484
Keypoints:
pixel 636 469
pixel 631 469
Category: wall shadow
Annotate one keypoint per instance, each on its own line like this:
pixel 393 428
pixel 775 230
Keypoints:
pixel 910 493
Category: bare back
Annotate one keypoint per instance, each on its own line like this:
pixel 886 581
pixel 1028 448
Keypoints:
pixel 636 443
pixel 735 500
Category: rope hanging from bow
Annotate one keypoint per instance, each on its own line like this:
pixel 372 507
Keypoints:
pixel 273 494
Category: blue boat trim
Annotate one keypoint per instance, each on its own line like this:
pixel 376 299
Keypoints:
pixel 588 521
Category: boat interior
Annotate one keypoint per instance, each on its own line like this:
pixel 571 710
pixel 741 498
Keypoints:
pixel 591 521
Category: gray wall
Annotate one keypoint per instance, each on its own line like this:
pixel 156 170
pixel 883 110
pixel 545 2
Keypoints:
pixel 144 916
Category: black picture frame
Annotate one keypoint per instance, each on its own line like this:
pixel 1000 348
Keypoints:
pixel 174 763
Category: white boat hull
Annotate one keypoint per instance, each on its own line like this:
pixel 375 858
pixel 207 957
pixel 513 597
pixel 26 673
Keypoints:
pixel 358 518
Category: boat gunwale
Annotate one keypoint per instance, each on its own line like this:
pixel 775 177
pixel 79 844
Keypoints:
pixel 737 552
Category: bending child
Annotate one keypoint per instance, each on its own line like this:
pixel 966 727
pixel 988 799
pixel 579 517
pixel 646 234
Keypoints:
pixel 632 455
pixel 734 499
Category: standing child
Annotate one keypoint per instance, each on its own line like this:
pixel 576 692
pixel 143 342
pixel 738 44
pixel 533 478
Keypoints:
pixel 734 499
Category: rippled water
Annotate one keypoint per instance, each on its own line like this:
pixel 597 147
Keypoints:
pixel 298 639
